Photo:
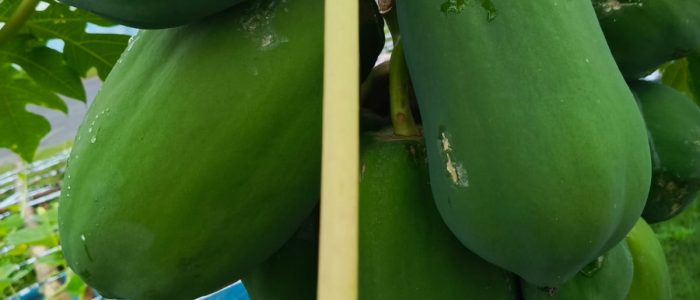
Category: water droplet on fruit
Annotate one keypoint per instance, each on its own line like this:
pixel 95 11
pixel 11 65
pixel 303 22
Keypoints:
pixel 93 139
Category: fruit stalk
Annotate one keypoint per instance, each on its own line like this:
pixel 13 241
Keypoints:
pixel 400 91
pixel 17 20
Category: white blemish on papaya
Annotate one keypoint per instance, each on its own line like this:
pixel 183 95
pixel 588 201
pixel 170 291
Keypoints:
pixel 258 24
pixel 613 5
pixel 445 143
pixel 457 173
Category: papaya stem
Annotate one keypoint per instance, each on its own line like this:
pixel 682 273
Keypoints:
pixel 399 92
pixel 20 16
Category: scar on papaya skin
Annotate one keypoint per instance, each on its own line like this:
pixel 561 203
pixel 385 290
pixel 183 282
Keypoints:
pixel 611 5
pixel 453 169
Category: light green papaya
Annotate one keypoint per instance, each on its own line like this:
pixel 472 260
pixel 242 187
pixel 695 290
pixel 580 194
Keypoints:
pixel 406 251
pixel 289 274
pixel 200 155
pixel 651 279
pixel 644 34
pixel 539 160
pixel 608 277
pixel 673 122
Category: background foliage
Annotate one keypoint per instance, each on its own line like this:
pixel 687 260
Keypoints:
pixel 32 73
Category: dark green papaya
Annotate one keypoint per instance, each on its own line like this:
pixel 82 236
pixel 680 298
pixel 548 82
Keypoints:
pixel 406 251
pixel 644 34
pixel 200 156
pixel 289 274
pixel 608 277
pixel 673 122
pixel 153 14
pixel 539 160
pixel 651 279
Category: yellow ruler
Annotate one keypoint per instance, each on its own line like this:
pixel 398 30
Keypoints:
pixel 338 250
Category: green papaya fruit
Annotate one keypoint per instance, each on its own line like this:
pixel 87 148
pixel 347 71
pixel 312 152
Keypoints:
pixel 153 14
pixel 200 155
pixel 289 274
pixel 673 122
pixel 539 160
pixel 406 251
pixel 651 279
pixel 643 34
pixel 608 277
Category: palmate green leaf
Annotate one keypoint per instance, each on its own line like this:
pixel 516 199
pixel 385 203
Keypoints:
pixel 82 50
pixel 44 71
pixel 20 130
pixel 45 65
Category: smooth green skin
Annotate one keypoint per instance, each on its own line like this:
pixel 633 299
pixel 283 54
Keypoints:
pixel 644 34
pixel 289 274
pixel 673 122
pixel 200 156
pixel 610 281
pixel 548 164
pixel 651 279
pixel 406 251
pixel 153 14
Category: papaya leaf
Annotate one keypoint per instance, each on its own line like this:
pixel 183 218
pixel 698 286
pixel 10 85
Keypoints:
pixel 20 130
pixel 20 274
pixel 44 71
pixel 75 285
pixel 10 224
pixel 45 65
pixel 39 235
pixel 82 50
pixel 54 259
pixel 6 269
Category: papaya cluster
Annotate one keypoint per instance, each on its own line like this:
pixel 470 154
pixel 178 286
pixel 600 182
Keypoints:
pixel 509 150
